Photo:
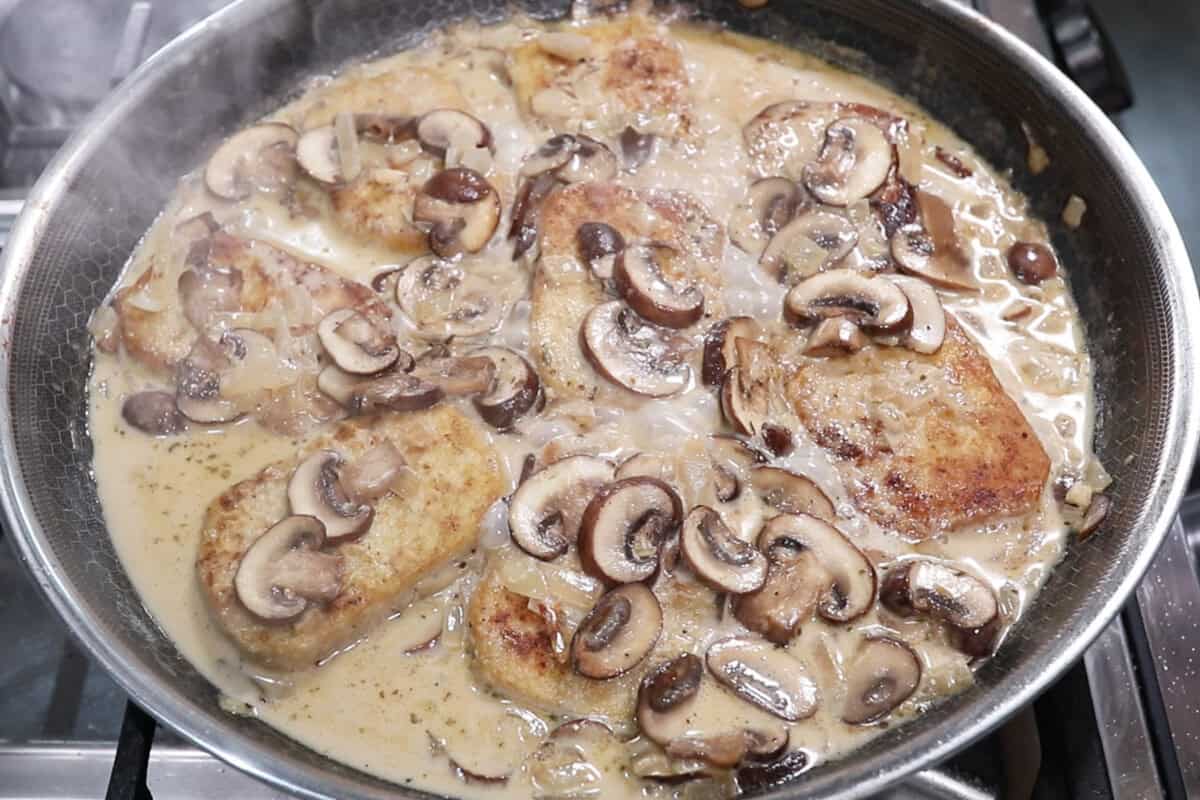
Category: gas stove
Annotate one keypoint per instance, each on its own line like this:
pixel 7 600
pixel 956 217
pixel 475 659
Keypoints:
pixel 1123 723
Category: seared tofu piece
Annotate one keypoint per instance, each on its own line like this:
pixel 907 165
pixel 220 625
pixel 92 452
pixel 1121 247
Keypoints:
pixel 432 518
pixel 565 290
pixel 924 443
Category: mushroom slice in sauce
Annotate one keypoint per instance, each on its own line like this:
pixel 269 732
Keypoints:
pixel 720 346
pixel 746 394
pixel 514 391
pixel 764 675
pixel 1032 262
pixel 718 557
pixel 600 245
pixel 442 300
pixel 393 390
pixel 198 385
pixel 640 280
pixel 317 154
pixel 153 412
pixel 457 376
pixel 940 591
pixel 872 302
pixel 882 675
pixel 552 154
pixel 787 598
pixel 283 570
pixel 624 528
pixel 462 210
pixel 834 337
pixel 932 250
pixel 732 459
pixel 257 157
pixel 770 204
pixel 666 687
pixel 760 778
pixel 545 511
pixel 791 493
pixel 316 490
pixel 573 158
pixel 442 128
pixel 355 343
pixel 620 630
pixel 631 352
pixel 636 148
pixel 526 212
pixel 849 590
pixel 816 240
pixel 927 328
pixel 854 161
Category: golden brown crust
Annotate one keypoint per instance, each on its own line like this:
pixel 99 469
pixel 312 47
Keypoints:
pixel 961 451
pixel 415 531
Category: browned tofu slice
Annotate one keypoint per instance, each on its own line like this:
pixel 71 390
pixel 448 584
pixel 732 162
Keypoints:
pixel 434 517
pixel 925 444
pixel 564 290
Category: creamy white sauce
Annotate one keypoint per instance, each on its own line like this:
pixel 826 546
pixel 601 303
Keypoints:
pixel 374 706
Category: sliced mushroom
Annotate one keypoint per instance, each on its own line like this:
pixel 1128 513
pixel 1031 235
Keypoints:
pixel 668 686
pixel 393 390
pixel 620 630
pixel 445 127
pixel 761 778
pixel 462 210
pixel 718 557
pixel 927 328
pixel 198 385
pixel 205 292
pixel 815 241
pixel 790 493
pixel 849 589
pixel 514 391
pixel 764 675
pixel 855 159
pixel 624 528
pixel 636 148
pixel 257 157
pixel 283 571
pixel 720 346
pixel 732 459
pixel 1097 512
pixel 600 245
pixel 788 597
pixel 770 204
pixel 639 278
pixel 153 412
pixel 315 490
pixel 833 337
pixel 527 209
pixel 747 391
pixel 1032 262
pixel 572 158
pixel 932 250
pixel 355 344
pixel 730 749
pixel 317 153
pixel 940 591
pixel 633 353
pixel 457 376
pixel 895 204
pixel 882 675
pixel 443 300
pixel 374 474
pixel 872 302
pixel 546 511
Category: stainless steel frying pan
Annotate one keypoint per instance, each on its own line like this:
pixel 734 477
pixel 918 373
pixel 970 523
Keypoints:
pixel 1128 268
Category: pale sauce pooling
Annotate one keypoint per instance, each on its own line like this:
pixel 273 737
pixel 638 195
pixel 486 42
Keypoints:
pixel 376 707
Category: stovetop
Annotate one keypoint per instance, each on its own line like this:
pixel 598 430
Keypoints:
pixel 1123 723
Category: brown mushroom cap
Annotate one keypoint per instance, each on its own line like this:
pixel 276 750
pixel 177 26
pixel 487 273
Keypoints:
pixel 943 592
pixel 198 385
pixel 355 344
pixel 849 589
pixel 788 597
pixel 257 157
pixel 514 391
pixel 748 390
pixel 927 327
pixel 791 493
pixel 932 250
pixel 527 210
pixel 855 159
pixel 814 241
pixel 443 300
pixel 572 158
pixel 315 490
pixel 882 675
pixel 1032 262
pixel 764 675
pixel 669 685
pixel 620 630
pixel 770 204
pixel 600 244
pixel 640 280
pixel 153 412
pixel 283 571
pixel 546 510
pixel 761 778
pixel 633 353
pixel 624 528
pixel 720 346
pixel 732 460
pixel 718 557
pixel 872 302
pixel 442 128
pixel 462 210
